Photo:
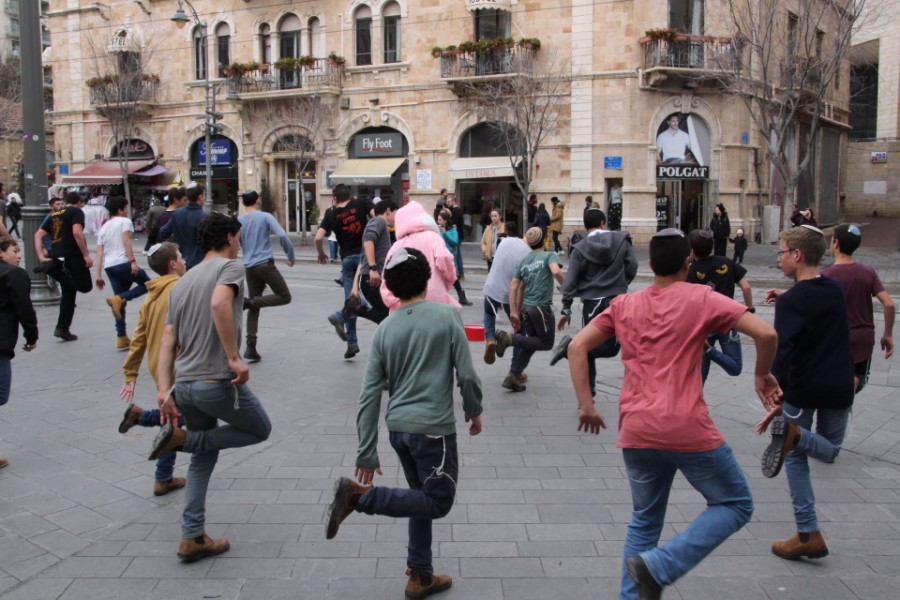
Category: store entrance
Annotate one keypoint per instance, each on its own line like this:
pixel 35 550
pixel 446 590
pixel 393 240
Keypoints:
pixel 685 204
pixel 474 196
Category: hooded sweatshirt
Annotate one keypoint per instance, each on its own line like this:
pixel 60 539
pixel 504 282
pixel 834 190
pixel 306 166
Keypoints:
pixel 601 265
pixel 149 330
pixel 417 229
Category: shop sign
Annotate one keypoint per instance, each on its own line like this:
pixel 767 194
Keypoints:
pixel 221 152
pixel 879 157
pixel 223 172
pixel 682 172
pixel 136 150
pixel 378 145
pixel 612 163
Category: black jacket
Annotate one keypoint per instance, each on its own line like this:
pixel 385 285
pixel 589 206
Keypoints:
pixel 600 266
pixel 15 309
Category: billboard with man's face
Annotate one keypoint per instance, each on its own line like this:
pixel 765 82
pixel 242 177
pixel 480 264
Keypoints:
pixel 683 147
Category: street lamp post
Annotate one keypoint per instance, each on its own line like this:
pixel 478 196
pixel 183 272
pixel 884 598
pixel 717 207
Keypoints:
pixel 180 18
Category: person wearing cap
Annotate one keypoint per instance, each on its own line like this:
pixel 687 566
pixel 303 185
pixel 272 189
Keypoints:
pixel 664 423
pixel 814 367
pixel 556 222
pixel 259 264
pixel 418 352
pixel 531 308
pixel 182 225
pixel 861 284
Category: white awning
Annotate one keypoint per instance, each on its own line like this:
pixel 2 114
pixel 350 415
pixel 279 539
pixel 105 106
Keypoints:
pixel 367 171
pixel 495 4
pixel 483 167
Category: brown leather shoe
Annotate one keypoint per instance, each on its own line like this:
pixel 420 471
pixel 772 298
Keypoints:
pixel 346 496
pixel 490 351
pixel 4 462
pixel 793 549
pixel 116 303
pixel 421 585
pixel 785 437
pixel 169 439
pixel 192 549
pixel 161 488
pixel 130 419
pixel 123 343
pixel 513 383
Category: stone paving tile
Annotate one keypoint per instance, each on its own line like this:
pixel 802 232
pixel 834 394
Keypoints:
pixel 29 567
pixel 108 589
pixel 325 569
pixel 60 543
pixel 96 567
pixel 224 567
pixel 47 588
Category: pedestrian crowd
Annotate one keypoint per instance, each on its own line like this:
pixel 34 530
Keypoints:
pixel 397 268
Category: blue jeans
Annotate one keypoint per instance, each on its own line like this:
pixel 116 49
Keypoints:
pixel 165 464
pixel 491 308
pixel 729 358
pixel 457 260
pixel 5 378
pixel 120 278
pixel 431 468
pixel 729 506
pixel 203 404
pixel 348 272
pixel 333 249
pixel 823 445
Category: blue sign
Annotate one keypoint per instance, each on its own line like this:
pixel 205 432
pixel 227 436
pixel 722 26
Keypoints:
pixel 745 138
pixel 221 152
pixel 613 163
pixel 63 169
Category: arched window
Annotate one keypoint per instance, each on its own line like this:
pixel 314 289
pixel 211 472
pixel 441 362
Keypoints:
pixel 290 37
pixel 199 46
pixel 391 19
pixel 363 21
pixel 265 44
pixel 316 38
pixel 223 48
pixel 483 139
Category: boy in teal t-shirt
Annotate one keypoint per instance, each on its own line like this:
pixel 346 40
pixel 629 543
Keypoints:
pixel 531 308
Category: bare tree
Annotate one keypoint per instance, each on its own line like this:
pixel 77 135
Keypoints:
pixel 788 62
pixel 10 98
pixel 121 86
pixel 521 101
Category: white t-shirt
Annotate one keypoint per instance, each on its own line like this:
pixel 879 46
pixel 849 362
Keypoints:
pixel 673 145
pixel 110 237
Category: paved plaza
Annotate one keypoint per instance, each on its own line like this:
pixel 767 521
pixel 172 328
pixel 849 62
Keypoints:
pixel 541 510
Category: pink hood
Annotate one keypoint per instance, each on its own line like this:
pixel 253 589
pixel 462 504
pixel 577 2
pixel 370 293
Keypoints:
pixel 415 228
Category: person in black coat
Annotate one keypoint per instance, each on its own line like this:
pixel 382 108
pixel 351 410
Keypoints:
pixel 721 228
pixel 542 219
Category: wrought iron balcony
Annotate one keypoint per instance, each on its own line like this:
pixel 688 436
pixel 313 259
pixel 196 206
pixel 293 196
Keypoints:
pixel 320 76
pixel 109 93
pixel 698 52
pixel 456 64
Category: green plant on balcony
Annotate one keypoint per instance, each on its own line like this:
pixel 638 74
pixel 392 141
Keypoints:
pixel 664 33
pixel 468 46
pixel 307 61
pixel 286 64
pixel 530 43
pixel 150 78
pixel 334 59
pixel 436 51
pixel 93 82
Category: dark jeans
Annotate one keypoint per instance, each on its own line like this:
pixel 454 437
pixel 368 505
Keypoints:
pixel 720 246
pixel 730 358
pixel 590 308
pixel 165 464
pixel 431 468
pixel 491 308
pixel 73 277
pixel 539 331
pixel 557 247
pixel 120 278
pixel 258 277
pixel 14 226
pixel 376 311
pixel 5 378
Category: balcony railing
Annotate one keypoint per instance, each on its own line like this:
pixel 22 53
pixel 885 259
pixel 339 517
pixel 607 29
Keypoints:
pixel 692 52
pixel 12 6
pixel 498 61
pixel 323 73
pixel 804 73
pixel 113 92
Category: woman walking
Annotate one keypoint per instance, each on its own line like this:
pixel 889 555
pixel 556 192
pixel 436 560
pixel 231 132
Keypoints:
pixel 493 233
pixel 451 239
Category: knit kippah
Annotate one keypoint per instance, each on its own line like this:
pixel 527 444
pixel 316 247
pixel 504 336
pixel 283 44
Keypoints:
pixel 534 236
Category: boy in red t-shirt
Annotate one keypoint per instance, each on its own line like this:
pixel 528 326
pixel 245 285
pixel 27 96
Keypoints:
pixel 664 423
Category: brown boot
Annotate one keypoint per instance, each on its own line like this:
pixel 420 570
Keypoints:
pixel 421 585
pixel 130 419
pixel 191 549
pixel 490 351
pixel 169 439
pixel 161 488
pixel 794 549
pixel 123 343
pixel 4 462
pixel 346 496
pixel 785 437
pixel 116 303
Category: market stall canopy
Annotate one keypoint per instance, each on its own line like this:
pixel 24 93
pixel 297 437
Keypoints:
pixel 104 173
pixel 367 171
pixel 151 172
pixel 483 167
pixel 495 4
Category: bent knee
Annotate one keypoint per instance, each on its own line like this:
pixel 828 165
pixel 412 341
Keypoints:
pixel 441 508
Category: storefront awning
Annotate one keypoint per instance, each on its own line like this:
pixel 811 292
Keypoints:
pixel 495 4
pixel 366 171
pixel 151 172
pixel 483 167
pixel 103 173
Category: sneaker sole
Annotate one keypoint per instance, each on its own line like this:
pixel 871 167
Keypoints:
pixel 161 439
pixel 813 555
pixel 774 455
pixel 124 426
pixel 561 351
pixel 340 489
pixel 428 592
pixel 338 328
pixel 189 558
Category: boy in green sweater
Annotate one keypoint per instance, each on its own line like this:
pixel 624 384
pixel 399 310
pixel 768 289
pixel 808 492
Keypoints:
pixel 407 349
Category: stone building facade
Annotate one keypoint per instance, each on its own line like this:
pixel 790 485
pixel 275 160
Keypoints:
pixel 391 120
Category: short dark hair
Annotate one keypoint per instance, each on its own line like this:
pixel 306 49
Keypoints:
pixel 249 197
pixel 701 241
pixel 848 238
pixel 115 203
pixel 212 233
pixel 6 242
pixel 409 278
pixel 384 206
pixel 161 257
pixel 341 192
pixel 594 218
pixel 74 198
pixel 177 193
pixel 195 192
pixel 443 191
pixel 668 253
pixel 512 229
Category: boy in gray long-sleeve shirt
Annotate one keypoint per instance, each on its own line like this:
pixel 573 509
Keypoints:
pixel 408 350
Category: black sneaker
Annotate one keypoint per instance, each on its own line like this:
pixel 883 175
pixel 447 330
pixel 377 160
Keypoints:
pixel 504 341
pixel 339 281
pixel 64 334
pixel 47 266
pixel 351 352
pixel 647 587
pixel 251 355
pixel 513 383
pixel 785 436
pixel 338 327
pixel 562 350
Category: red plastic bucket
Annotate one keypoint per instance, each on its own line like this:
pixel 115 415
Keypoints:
pixel 475 333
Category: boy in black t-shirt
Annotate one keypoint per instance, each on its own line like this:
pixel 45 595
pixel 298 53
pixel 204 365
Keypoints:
pixel 347 219
pixel 721 274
